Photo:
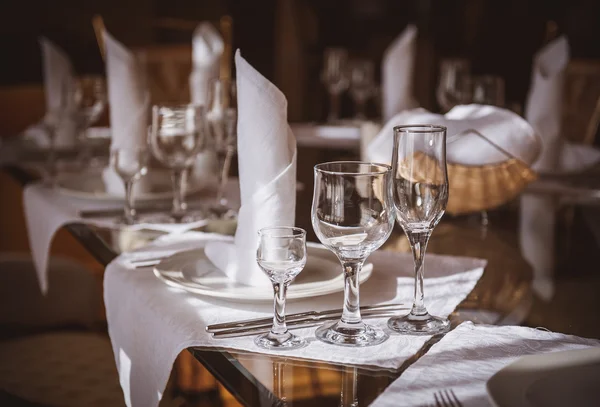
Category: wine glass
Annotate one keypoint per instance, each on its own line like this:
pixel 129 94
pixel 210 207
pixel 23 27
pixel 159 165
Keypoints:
pixel 362 85
pixel 453 73
pixel 420 194
pixel 177 135
pixel 335 78
pixel 131 165
pixel 90 101
pixel 221 119
pixel 281 255
pixel 485 90
pixel 352 215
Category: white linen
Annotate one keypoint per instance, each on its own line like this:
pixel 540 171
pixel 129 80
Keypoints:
pixel 150 323
pixel 207 50
pixel 466 358
pixel 58 82
pixel 397 73
pixel 502 127
pixel 267 168
pixel 129 104
pixel 47 210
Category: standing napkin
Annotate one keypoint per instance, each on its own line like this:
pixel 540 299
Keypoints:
pixel 207 50
pixel 397 73
pixel 129 102
pixel 466 358
pixel 267 168
pixel 504 128
pixel 58 82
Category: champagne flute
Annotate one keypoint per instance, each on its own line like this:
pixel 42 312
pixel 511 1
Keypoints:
pixel 281 255
pixel 221 120
pixel 91 100
pixel 352 215
pixel 335 78
pixel 420 194
pixel 177 135
pixel 131 165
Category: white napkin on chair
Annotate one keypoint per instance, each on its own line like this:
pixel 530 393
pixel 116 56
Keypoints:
pixel 129 102
pixel 504 128
pixel 397 73
pixel 58 81
pixel 267 168
pixel 207 50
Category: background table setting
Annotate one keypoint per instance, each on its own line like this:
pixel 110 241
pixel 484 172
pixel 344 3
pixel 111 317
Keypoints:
pixel 226 238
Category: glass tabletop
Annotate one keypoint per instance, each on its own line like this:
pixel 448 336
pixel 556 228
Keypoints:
pixel 504 295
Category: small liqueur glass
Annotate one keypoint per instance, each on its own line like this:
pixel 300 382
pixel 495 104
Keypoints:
pixel 281 255
pixel 131 165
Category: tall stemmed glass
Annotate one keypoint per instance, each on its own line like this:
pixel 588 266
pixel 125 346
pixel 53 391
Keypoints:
pixel 221 120
pixel 177 135
pixel 335 78
pixel 281 255
pixel 420 193
pixel 131 165
pixel 352 215
pixel 90 99
pixel 362 85
pixel 453 75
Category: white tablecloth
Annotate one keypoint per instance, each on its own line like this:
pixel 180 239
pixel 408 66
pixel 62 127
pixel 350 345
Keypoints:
pixel 466 358
pixel 150 323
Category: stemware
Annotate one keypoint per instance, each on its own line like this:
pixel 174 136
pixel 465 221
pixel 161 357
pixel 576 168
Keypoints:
pixel 485 90
pixel 362 85
pixel 177 135
pixel 130 165
pixel 221 119
pixel 335 78
pixel 420 194
pixel 352 215
pixel 453 73
pixel 281 255
pixel 90 101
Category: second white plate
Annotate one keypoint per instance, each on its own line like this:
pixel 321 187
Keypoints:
pixel 192 271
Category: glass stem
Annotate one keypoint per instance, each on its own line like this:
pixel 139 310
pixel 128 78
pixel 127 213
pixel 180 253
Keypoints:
pixel 279 326
pixel 178 179
pixel 334 107
pixel 226 164
pixel 349 396
pixel 418 242
pixel 129 206
pixel 351 311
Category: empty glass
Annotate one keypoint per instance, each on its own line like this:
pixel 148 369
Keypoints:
pixel 177 135
pixel 281 255
pixel 362 85
pixel 352 215
pixel 485 90
pixel 221 120
pixel 453 73
pixel 420 193
pixel 335 78
pixel 130 165
pixel 90 101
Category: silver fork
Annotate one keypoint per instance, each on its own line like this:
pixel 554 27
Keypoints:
pixel 446 398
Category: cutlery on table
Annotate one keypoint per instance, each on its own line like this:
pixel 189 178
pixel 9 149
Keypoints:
pixel 299 320
pixel 446 398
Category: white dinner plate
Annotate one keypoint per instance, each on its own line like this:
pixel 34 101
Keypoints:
pixel 192 271
pixel 568 378
pixel 90 185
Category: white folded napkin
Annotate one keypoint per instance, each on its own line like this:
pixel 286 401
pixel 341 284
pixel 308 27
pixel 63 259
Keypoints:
pixel 129 103
pixel 58 82
pixel 267 168
pixel 466 358
pixel 207 50
pixel 502 127
pixel 150 323
pixel 47 210
pixel 397 73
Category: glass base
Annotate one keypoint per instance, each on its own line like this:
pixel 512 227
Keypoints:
pixel 285 341
pixel 425 324
pixel 355 335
